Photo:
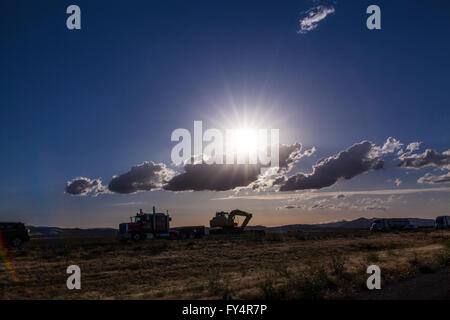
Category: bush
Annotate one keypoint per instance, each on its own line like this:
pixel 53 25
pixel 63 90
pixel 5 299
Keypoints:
pixel 273 237
pixel 311 284
pixel 372 257
pixel 414 261
pixel 443 258
pixel 337 266
pixel 219 287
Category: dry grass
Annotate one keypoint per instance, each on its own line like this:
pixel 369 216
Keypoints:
pixel 311 265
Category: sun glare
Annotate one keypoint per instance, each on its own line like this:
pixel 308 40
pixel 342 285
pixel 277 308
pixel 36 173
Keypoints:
pixel 245 140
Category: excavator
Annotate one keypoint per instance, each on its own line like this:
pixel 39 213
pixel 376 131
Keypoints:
pixel 224 222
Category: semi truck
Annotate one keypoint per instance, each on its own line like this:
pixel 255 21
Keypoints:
pixel 391 224
pixel 442 222
pixel 13 233
pixel 156 225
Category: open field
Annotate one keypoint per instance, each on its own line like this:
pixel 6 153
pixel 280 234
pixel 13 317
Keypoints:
pixel 299 265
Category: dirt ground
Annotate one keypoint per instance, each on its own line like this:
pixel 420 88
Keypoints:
pixel 300 265
pixel 434 286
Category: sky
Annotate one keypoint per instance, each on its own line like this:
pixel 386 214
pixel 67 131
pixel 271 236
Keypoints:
pixel 86 116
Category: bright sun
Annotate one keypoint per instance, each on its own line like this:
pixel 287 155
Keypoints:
pixel 246 125
pixel 245 140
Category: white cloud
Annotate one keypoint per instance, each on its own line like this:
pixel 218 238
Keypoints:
pixel 391 145
pixel 310 195
pixel 311 18
pixel 83 186
pixel 413 146
pixel 431 179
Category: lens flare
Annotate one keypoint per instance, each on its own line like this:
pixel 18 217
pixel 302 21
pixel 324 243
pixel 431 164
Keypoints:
pixel 6 261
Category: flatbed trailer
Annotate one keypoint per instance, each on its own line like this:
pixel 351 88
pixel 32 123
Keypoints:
pixel 188 232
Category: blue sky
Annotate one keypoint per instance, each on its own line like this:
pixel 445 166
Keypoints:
pixel 95 102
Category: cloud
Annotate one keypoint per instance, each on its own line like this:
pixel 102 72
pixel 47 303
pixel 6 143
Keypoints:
pixel 363 204
pixel 391 145
pixel 128 204
pixel 275 176
pixel 310 195
pixel 289 155
pixel 82 186
pixel 223 177
pixel 346 164
pixel 310 19
pixel 428 158
pixel 413 146
pixel 288 207
pixel 143 177
pixel 432 179
pixel 376 208
pixel 150 176
pixel 398 182
pixel 214 177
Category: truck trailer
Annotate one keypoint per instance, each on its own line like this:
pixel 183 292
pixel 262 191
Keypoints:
pixel 391 224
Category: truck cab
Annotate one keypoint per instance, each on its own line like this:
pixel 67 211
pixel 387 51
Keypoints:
pixel 442 222
pixel 156 225
pixel 145 225
pixel 391 224
pixel 379 225
pixel 13 233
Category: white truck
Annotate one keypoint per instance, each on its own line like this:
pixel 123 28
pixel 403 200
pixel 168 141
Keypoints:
pixel 442 222
pixel 391 224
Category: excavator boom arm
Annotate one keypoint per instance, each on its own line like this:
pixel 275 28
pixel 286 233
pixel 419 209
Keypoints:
pixel 238 212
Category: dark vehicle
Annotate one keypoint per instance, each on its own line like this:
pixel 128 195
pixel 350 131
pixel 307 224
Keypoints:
pixel 442 222
pixel 391 224
pixel 13 233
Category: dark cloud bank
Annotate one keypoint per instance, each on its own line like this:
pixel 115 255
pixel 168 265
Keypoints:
pixel 345 165
pixel 196 177
pixel 357 159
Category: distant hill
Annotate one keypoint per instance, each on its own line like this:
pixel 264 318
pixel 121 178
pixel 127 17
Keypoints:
pixel 55 232
pixel 360 223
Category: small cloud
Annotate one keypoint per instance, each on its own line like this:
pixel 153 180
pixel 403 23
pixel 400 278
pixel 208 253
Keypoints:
pixel 413 146
pixel 82 186
pixel 310 19
pixel 391 145
pixel 376 208
pixel 288 207
pixel 309 152
pixel 127 204
pixel 432 179
pixel 428 158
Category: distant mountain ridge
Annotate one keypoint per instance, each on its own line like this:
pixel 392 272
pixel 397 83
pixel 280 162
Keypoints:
pixel 360 223
pixel 56 232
